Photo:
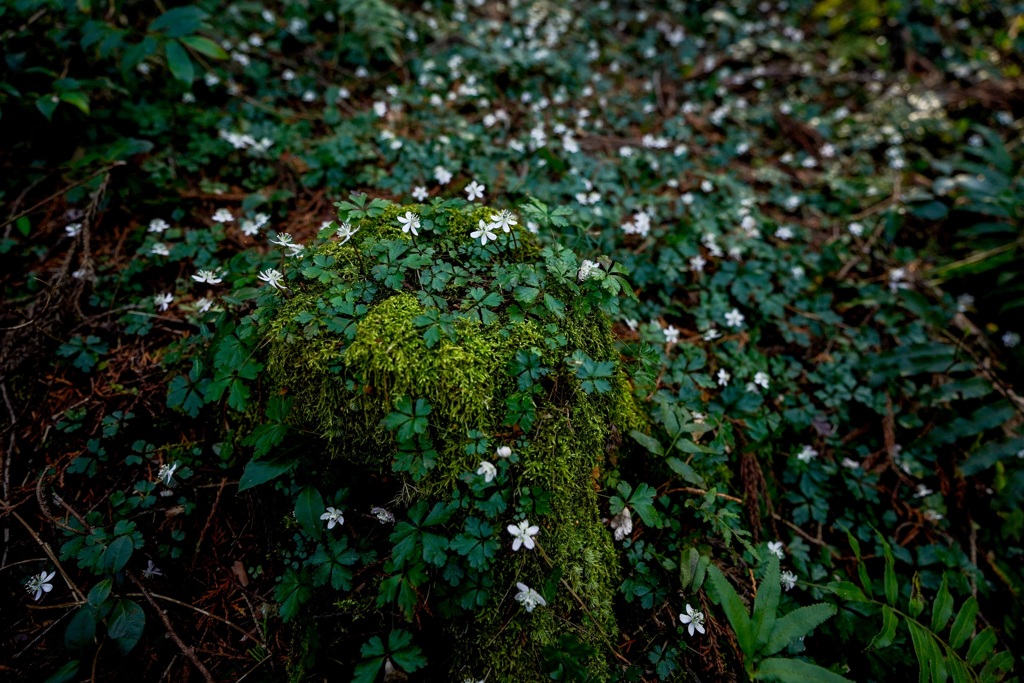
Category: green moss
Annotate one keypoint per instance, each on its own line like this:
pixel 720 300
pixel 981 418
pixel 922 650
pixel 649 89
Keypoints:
pixel 344 388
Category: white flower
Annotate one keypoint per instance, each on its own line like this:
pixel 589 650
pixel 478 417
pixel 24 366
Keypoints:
pixel 776 547
pixel 706 186
pixel 784 232
pixel 442 175
pixel 723 377
pixel 622 523
pixel 72 229
pixel 203 305
pixel 162 301
pixel 166 473
pixel 806 454
pixel 788 580
pixel 504 219
pixel 734 318
pixel 503 452
pixel 697 264
pixel 333 517
pixel 283 239
pixel 587 269
pixel 410 223
pixel 380 108
pixel 487 470
pixel 671 334
pixel 272 277
pixel 933 515
pixel 158 225
pixel 40 584
pixel 346 231
pixel 964 303
pixel 523 534
pixel 485 233
pixel 159 249
pixel 223 216
pixel 1010 339
pixel 208 276
pixel 850 464
pixel 382 515
pixel 419 193
pixel 474 191
pixel 856 229
pixel 923 491
pixel 529 597
pixel 712 334
pixel 761 379
pixel 249 228
pixel 692 620
pixel 151 570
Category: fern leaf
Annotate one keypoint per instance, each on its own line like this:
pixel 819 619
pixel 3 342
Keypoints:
pixel 735 612
pixel 797 623
pixel 795 671
pixel 766 604
pixel 885 637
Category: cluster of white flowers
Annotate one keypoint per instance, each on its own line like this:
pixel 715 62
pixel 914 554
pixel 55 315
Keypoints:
pixel 251 226
pixel 640 225
pixel 246 141
pixel 504 220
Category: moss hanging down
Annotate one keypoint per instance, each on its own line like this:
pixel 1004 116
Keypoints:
pixel 345 379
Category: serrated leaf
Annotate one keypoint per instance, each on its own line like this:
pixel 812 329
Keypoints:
pixel 648 442
pixel 885 637
pixel 963 625
pixel 308 507
pixel 766 602
pixel 795 671
pixel 797 624
pixel 733 607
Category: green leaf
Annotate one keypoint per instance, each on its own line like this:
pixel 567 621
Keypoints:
pixel 331 564
pixel 648 442
pixel 308 508
pixel 642 501
pixel 795 671
pixel 942 607
pixel 734 610
pixel 292 593
pixel 373 659
pixel 997 667
pixel 179 62
pixel 684 470
pixel 981 647
pixel 81 630
pixel 100 592
pixel 178 22
pixel 885 637
pixel 404 653
pixel 916 603
pixel 766 603
pixel 260 472
pixel 126 624
pixel 848 591
pixel 117 554
pixel 65 674
pixel 963 625
pixel 46 105
pixel 797 624
pixel 205 46
pixel 923 649
pixel 76 99
pixel 892 591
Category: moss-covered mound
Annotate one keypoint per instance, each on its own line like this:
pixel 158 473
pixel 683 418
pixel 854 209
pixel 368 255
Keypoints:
pixel 425 354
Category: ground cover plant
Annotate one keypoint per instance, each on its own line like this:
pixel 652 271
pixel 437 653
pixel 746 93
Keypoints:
pixel 511 341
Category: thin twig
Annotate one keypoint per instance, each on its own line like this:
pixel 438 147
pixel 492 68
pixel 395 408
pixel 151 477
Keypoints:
pixel 46 549
pixel 238 628
pixel 185 649
pixel 60 191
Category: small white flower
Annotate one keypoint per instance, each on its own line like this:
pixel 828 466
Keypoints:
pixel 382 515
pixel 784 232
pixel 474 191
pixel 587 269
pixel 410 223
pixel 964 303
pixel 923 491
pixel 706 186
pixel 671 334
pixel 1010 339
pixel 207 276
pixel 159 249
pixel 151 570
pixel 203 305
pixel 712 334
pixel 761 379
pixel 40 584
pixel 734 318
pixel 73 229
pixel 856 229
pixel 851 464
pixel 523 534
pixel 505 220
pixel 933 515
pixel 419 193
pixel 622 524
pixel 788 580
pixel 222 216
pixel 503 452
pixel 333 517
pixel 442 175
pixel 249 228
pixel 272 277
pixel 485 233
pixel 776 547
pixel 158 225
pixel 283 239
pixel 487 470
pixel 166 473
pixel 806 454
pixel 163 301
pixel 692 620
pixel 346 232
pixel 380 108
pixel 697 264
pixel 723 377
pixel 529 597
